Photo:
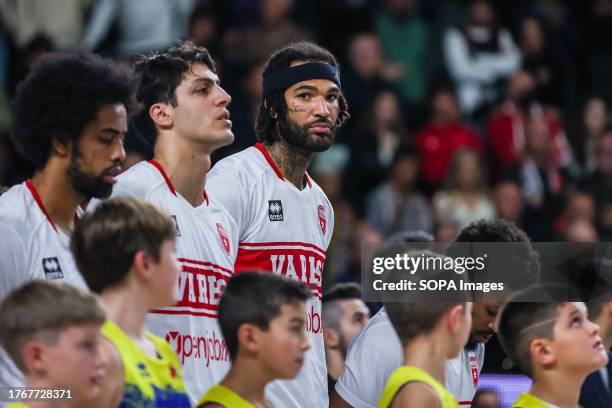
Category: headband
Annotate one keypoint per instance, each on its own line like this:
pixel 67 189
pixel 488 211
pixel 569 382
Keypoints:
pixel 277 80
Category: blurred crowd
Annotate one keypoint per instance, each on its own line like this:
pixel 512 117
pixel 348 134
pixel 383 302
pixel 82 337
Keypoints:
pixel 460 109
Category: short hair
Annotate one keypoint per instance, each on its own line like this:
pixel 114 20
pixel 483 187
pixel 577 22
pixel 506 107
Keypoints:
pixel 273 104
pixel 61 95
pixel 331 310
pixel 159 74
pixel 418 317
pixel 105 241
pixel 526 317
pixel 41 310
pixel 256 298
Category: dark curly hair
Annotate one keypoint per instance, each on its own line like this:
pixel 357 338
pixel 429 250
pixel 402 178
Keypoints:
pixel 273 103
pixel 62 94
pixel 159 74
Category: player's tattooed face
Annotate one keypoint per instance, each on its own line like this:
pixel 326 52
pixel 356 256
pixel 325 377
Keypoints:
pixel 312 115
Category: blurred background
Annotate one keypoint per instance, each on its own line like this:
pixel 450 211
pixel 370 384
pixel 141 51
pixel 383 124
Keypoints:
pixel 460 110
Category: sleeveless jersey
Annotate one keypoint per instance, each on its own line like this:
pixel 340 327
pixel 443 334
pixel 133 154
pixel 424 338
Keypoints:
pixel 206 247
pixel 148 381
pixel 31 247
pixel 368 366
pixel 222 395
pixel 527 400
pixel 286 231
pixel 406 374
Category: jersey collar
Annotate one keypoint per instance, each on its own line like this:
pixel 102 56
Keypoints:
pixel 32 189
pixel 168 182
pixel 270 161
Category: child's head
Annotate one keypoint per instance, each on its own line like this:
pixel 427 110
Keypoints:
pixel 263 316
pixel 426 312
pixel 52 333
pixel 126 235
pixel 543 335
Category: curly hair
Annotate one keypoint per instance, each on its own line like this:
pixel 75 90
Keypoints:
pixel 274 103
pixel 60 96
pixel 159 74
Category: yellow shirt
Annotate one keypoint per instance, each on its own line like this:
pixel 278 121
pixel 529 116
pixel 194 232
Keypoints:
pixel 406 374
pixel 527 400
pixel 224 396
pixel 16 405
pixel 149 381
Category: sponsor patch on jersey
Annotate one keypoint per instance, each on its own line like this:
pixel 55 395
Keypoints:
pixel 224 238
pixel 52 268
pixel 275 210
pixel 474 369
pixel 322 218
pixel 176 227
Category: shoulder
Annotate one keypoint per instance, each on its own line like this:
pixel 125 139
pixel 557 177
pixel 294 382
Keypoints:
pixel 416 394
pixel 18 222
pixel 138 181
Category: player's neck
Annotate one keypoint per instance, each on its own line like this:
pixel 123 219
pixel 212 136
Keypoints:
pixel 559 389
pixel 130 316
pixel 429 354
pixel 241 380
pixel 58 196
pixel 291 161
pixel 335 362
pixel 185 165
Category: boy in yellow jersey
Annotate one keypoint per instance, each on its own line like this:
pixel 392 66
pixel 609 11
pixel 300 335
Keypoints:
pixel 553 342
pixel 52 333
pixel 125 252
pixel 263 320
pixel 432 330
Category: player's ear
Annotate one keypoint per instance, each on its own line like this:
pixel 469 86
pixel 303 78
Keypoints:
pixel 33 353
pixel 162 115
pixel 142 265
pixel 331 337
pixel 456 318
pixel 249 337
pixel 60 148
pixel 542 352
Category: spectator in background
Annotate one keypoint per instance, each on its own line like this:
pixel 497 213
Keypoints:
pixel 442 137
pixel 507 127
pixel 594 122
pixel 580 231
pixel 465 198
pixel 599 184
pixel 380 132
pixel 344 315
pixel 539 61
pixel 478 55
pixel 142 26
pixel 203 29
pixel 486 398
pixel 541 180
pixel 396 205
pixel 598 34
pixel 508 201
pixel 405 42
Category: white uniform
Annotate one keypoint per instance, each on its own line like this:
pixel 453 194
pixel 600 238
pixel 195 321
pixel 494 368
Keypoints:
pixel 31 247
pixel 376 352
pixel 286 231
pixel 206 247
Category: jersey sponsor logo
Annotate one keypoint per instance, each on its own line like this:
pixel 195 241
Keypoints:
pixel 224 239
pixel 201 284
pixel 208 347
pixel 275 210
pixel 177 231
pixel 52 268
pixel 322 218
pixel 474 369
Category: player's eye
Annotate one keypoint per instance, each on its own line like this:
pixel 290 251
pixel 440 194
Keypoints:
pixel 304 96
pixel 576 321
pixel 332 98
pixel 106 140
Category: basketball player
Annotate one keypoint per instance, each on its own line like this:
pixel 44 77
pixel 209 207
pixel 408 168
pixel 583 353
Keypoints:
pixel 185 116
pixel 70 121
pixel 368 365
pixel 284 219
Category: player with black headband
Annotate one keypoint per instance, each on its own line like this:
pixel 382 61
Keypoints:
pixel 284 219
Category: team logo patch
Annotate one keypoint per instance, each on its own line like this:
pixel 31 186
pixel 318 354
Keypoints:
pixel 474 369
pixel 224 239
pixel 52 268
pixel 322 218
pixel 177 231
pixel 275 210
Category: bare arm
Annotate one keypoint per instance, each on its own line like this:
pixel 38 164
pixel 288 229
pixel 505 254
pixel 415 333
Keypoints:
pixel 336 401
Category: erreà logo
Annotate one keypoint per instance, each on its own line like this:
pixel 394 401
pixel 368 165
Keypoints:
pixel 275 210
pixel 52 268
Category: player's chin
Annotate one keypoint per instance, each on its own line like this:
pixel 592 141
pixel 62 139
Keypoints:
pixel 320 142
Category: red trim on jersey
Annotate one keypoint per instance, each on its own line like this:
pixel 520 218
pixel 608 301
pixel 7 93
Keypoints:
pixel 270 161
pixel 278 243
pixel 205 197
pixel 203 263
pixel 465 402
pixel 164 175
pixel 183 312
pixel 32 189
pixel 308 180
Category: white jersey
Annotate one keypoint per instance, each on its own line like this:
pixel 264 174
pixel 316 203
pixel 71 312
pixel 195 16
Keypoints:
pixel 376 352
pixel 286 231
pixel 206 247
pixel 31 247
